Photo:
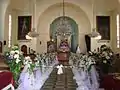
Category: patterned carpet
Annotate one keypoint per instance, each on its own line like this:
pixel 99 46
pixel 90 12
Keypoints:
pixel 60 82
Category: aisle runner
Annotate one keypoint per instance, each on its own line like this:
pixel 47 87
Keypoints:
pixel 34 82
pixel 60 82
pixel 86 80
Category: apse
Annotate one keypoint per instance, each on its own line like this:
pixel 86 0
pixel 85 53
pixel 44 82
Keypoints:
pixel 74 13
pixel 73 40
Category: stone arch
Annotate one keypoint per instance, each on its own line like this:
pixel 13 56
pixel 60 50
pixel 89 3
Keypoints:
pixel 24 50
pixel 50 14
pixel 74 37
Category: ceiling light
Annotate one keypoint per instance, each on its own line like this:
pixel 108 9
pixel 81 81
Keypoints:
pixel 94 33
pixel 64 28
pixel 33 33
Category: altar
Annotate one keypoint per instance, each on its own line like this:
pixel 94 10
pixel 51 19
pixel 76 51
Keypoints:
pixel 62 36
pixel 63 56
pixel 63 51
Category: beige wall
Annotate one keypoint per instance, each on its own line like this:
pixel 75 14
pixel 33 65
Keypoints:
pixel 48 10
pixel 54 12
pixel 114 30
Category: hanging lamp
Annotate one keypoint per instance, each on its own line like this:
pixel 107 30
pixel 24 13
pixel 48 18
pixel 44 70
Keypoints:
pixel 94 33
pixel 33 33
pixel 64 29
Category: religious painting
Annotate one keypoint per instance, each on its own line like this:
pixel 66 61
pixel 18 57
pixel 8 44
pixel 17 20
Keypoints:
pixel 64 47
pixel 51 47
pixel 103 26
pixel 24 26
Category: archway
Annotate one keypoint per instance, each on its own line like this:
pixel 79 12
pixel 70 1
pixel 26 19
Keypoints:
pixel 24 50
pixel 74 37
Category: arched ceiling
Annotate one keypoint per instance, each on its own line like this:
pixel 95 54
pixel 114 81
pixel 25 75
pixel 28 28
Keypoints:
pixel 18 4
pixel 60 12
pixel 55 11
pixel 85 5
pixel 101 4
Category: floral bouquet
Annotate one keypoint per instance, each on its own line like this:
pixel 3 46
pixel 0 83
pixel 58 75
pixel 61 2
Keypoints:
pixel 81 61
pixel 29 63
pixel 14 60
pixel 103 57
pixel 106 58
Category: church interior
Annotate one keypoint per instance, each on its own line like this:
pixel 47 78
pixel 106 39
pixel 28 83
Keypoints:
pixel 59 44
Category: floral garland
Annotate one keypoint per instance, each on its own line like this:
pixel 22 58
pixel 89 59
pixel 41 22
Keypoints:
pixel 47 58
pixel 104 56
pixel 14 60
pixel 81 61
pixel 29 63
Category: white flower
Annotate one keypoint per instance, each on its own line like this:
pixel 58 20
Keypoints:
pixel 7 53
pixel 104 53
pixel 12 52
pixel 27 58
pixel 110 54
pixel 36 59
pixel 104 61
pixel 90 53
pixel 107 57
pixel 37 63
pixel 18 60
pixel 28 65
pixel 17 51
pixel 16 56
pixel 11 56
pixel 15 47
pixel 25 62
pixel 30 62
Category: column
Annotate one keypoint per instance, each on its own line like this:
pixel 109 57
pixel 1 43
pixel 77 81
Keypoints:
pixel 3 7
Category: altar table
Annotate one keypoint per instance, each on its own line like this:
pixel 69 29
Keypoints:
pixel 63 56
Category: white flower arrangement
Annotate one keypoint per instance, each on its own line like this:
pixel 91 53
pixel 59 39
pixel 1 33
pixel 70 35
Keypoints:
pixel 81 61
pixel 37 62
pixel 14 60
pixel 28 61
pixel 105 54
pixel 103 57
pixel 47 58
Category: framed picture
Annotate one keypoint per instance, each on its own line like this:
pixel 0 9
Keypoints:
pixel 24 26
pixel 103 26
pixel 51 46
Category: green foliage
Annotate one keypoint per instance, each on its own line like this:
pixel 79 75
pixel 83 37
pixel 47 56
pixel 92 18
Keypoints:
pixel 14 60
pixel 103 57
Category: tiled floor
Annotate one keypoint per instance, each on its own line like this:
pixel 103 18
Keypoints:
pixel 60 82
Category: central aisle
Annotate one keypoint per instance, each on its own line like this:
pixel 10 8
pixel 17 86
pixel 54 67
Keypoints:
pixel 60 82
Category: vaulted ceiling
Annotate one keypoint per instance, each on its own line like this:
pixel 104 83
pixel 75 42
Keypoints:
pixel 99 4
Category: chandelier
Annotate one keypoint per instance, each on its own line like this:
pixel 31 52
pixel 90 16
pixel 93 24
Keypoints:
pixel 63 28
pixel 94 33
pixel 33 33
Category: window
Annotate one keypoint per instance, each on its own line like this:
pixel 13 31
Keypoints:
pixel 9 33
